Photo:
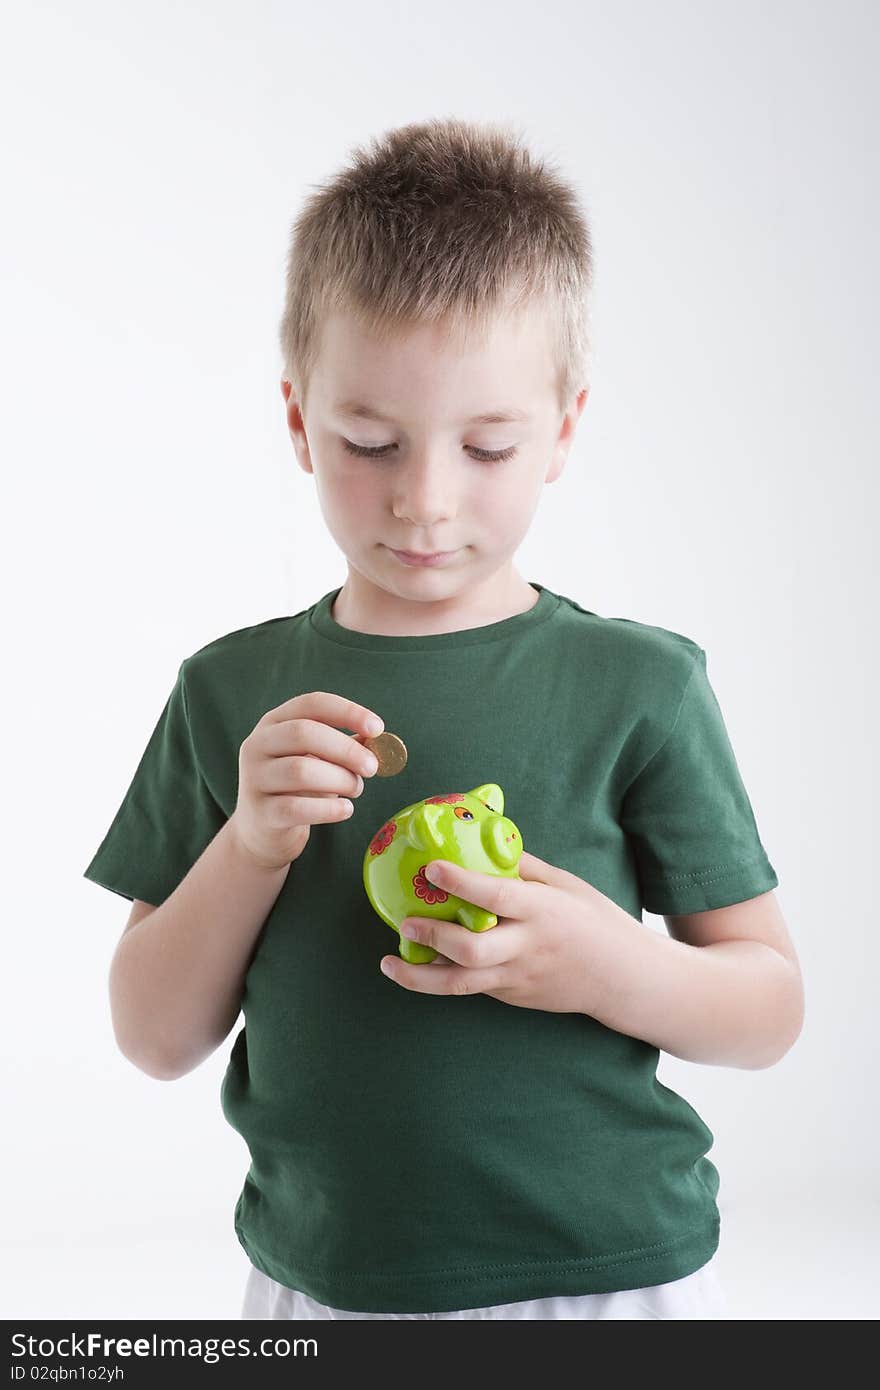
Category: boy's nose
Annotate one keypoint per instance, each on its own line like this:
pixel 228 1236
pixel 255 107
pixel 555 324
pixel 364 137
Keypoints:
pixel 423 490
pixel 424 516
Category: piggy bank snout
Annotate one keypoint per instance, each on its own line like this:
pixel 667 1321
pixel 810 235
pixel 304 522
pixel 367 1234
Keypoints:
pixel 501 841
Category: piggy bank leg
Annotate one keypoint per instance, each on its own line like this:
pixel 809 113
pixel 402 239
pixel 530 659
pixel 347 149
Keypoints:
pixel 415 952
pixel 475 918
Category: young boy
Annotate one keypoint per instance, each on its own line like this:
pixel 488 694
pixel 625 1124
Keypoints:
pixel 483 1136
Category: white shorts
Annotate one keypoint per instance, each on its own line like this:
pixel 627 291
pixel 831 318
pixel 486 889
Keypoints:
pixel 697 1295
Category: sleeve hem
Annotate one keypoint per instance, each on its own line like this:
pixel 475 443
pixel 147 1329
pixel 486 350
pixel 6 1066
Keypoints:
pixel 704 889
pixel 141 890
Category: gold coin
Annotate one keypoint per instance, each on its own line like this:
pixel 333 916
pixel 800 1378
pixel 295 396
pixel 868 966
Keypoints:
pixel 391 752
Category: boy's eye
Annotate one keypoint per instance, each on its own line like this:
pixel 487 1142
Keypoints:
pixel 484 455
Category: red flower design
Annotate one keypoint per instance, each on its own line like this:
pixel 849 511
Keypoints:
pixel 428 892
pixel 449 796
pixel 382 839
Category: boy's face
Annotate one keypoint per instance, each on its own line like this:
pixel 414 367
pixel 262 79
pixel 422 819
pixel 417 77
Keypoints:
pixel 432 488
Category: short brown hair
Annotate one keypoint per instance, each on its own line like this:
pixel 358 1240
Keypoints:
pixel 448 221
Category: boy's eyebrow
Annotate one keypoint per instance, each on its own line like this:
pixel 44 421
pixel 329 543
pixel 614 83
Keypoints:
pixel 491 417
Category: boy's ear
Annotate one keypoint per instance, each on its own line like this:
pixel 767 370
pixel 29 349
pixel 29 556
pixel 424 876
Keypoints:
pixel 296 426
pixel 566 434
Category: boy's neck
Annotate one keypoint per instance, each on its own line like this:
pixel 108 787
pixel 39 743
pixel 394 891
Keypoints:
pixel 363 606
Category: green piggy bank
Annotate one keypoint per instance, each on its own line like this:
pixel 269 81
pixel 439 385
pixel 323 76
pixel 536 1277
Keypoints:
pixel 467 828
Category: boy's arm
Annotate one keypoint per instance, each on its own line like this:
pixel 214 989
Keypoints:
pixel 177 975
pixel 139 910
pixel 724 989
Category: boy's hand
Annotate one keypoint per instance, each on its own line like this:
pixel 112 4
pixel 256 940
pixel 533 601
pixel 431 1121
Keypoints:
pixel 296 769
pixel 552 928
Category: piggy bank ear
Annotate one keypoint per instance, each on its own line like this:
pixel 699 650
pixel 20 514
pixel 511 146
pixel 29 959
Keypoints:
pixel 491 793
pixel 426 828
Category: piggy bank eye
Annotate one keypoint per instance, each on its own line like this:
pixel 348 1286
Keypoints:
pixel 463 813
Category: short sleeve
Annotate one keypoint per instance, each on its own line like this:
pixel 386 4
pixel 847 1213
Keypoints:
pixel 688 815
pixel 168 815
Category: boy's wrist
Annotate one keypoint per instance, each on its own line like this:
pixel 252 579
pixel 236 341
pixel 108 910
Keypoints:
pixel 245 860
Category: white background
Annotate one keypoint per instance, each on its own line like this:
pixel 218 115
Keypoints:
pixel 722 484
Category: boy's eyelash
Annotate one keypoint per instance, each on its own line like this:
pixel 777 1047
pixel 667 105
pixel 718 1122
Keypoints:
pixel 484 455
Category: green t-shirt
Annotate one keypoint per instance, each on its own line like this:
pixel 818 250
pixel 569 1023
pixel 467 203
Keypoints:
pixel 420 1153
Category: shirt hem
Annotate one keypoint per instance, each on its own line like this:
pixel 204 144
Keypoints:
pixel 483 1286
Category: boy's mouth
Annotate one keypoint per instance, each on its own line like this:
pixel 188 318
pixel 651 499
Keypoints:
pixel 409 557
